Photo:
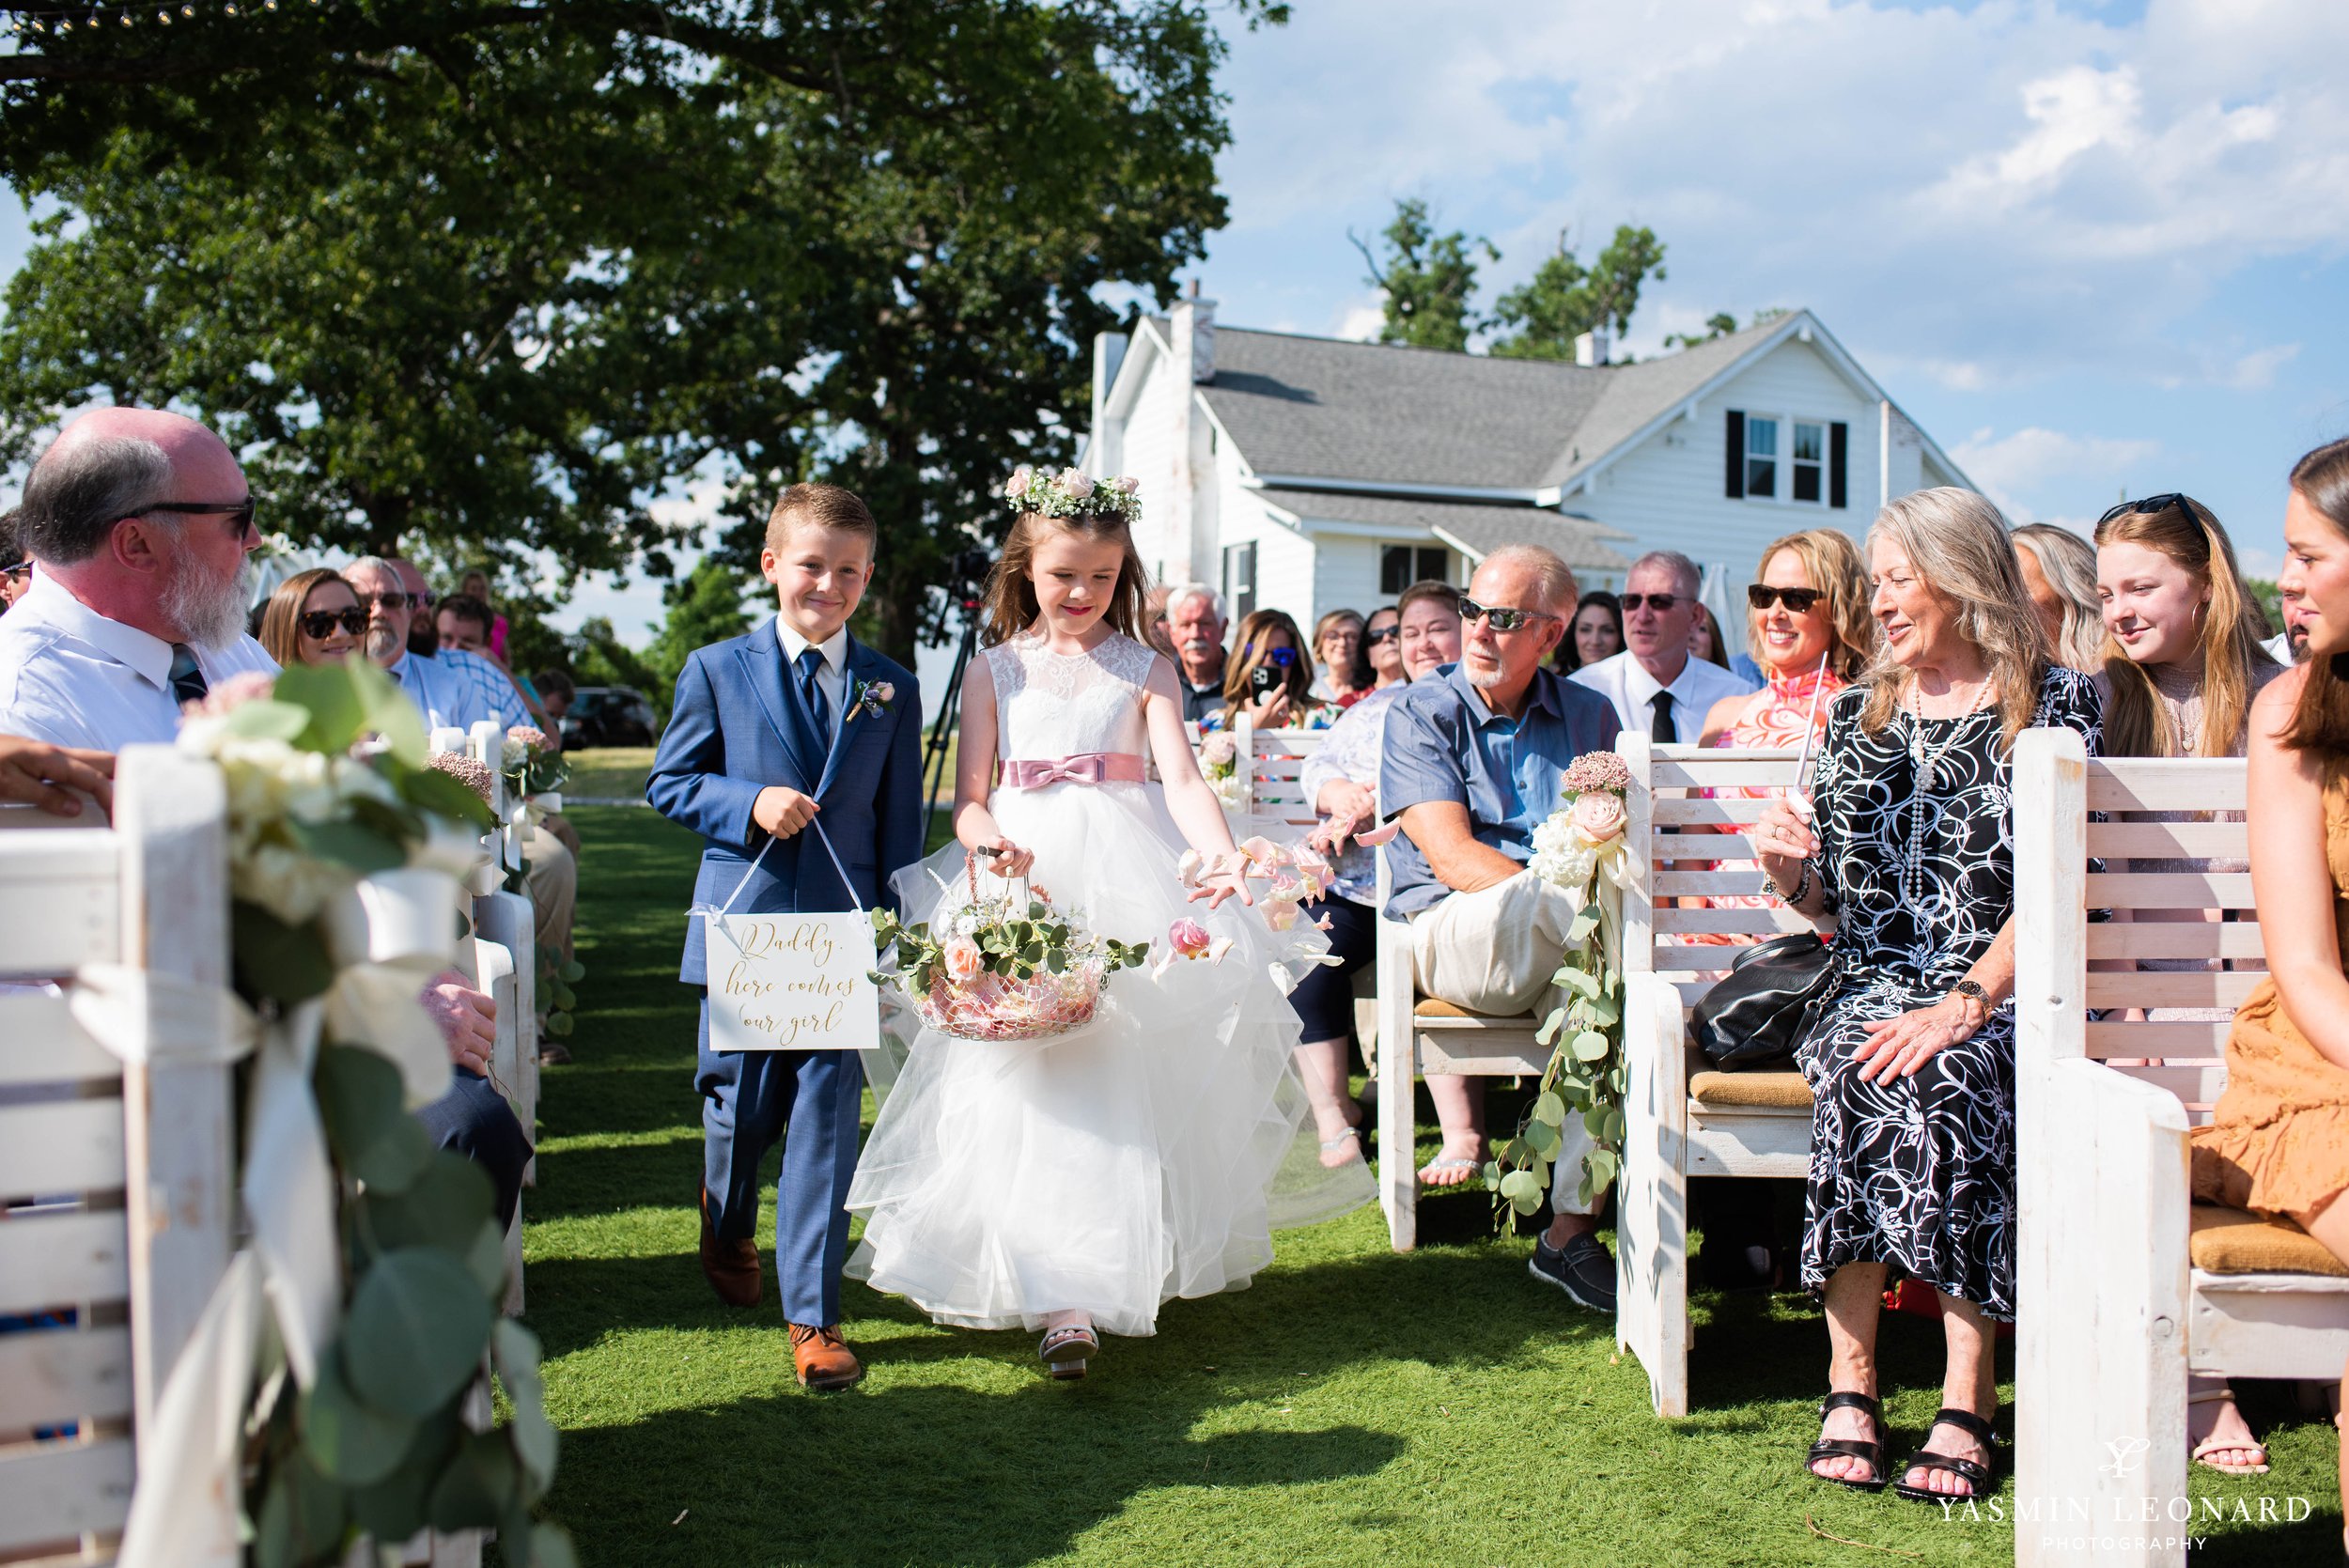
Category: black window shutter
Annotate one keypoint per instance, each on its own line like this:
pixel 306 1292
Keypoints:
pixel 1838 460
pixel 1736 455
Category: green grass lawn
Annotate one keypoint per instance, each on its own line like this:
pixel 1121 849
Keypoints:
pixel 1353 1406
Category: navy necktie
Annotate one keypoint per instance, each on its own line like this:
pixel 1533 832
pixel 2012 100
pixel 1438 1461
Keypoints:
pixel 818 707
pixel 810 715
pixel 187 676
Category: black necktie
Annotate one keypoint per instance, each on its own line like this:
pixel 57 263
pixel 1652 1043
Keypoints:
pixel 187 676
pixel 1663 731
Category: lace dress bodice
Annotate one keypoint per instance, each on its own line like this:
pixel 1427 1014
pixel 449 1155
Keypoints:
pixel 1053 704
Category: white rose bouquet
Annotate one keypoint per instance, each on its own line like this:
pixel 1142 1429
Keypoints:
pixel 1580 848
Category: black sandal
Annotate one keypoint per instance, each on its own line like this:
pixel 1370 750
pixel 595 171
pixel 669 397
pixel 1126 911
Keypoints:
pixel 1978 1476
pixel 1850 1447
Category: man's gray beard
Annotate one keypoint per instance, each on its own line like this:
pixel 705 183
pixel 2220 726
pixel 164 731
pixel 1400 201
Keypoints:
pixel 210 614
pixel 383 648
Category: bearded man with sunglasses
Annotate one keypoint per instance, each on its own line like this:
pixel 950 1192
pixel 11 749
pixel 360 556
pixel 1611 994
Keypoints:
pixel 1471 764
pixel 1656 686
pixel 140 526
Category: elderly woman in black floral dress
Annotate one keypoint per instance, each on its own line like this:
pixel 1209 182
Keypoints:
pixel 1906 839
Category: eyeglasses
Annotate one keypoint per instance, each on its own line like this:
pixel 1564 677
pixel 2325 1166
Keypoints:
pixel 394 600
pixel 1384 634
pixel 1761 596
pixel 1282 656
pixel 2153 503
pixel 1661 603
pixel 22 568
pixel 1499 616
pixel 242 511
pixel 316 624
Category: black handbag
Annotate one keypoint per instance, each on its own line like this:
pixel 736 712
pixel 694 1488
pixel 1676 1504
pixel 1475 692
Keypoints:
pixel 1754 1015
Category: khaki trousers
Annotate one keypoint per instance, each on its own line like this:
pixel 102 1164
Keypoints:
pixel 553 878
pixel 1494 950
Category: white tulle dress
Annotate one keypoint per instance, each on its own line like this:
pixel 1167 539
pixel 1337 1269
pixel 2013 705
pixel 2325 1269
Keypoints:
pixel 1144 1157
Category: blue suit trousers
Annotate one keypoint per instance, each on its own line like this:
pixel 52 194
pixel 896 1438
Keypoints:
pixel 809 1102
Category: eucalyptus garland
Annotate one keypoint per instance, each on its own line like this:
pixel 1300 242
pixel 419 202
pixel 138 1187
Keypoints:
pixel 1579 848
pixel 328 784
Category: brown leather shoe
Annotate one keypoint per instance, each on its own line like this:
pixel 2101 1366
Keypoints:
pixel 731 1266
pixel 823 1357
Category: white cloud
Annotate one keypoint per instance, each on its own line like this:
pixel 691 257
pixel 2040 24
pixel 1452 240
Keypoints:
pixel 2256 371
pixel 1360 324
pixel 1983 195
pixel 2009 468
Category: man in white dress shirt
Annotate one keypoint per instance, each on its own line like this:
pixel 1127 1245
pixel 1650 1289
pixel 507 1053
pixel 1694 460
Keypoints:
pixel 1657 686
pixel 454 697
pixel 139 523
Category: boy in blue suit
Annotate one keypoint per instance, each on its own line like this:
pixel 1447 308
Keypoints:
pixel 793 725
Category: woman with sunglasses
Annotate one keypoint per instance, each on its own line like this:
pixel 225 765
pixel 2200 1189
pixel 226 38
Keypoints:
pixel 313 618
pixel 1271 680
pixel 1338 651
pixel 2182 663
pixel 1383 652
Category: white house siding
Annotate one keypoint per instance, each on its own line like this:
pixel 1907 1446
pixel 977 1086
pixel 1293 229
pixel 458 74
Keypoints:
pixel 1668 492
pixel 1285 564
pixel 1345 574
pixel 1146 450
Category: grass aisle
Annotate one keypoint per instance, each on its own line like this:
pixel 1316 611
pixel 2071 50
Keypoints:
pixel 1355 1407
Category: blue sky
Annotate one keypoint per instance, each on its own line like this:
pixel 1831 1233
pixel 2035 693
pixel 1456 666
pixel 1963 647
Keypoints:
pixel 2094 249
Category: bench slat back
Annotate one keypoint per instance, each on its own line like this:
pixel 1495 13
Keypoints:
pixel 1272 761
pixel 130 1233
pixel 1678 850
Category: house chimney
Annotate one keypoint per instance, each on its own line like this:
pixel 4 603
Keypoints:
pixel 1591 347
pixel 1194 320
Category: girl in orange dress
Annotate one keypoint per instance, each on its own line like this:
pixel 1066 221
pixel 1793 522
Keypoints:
pixel 2278 1141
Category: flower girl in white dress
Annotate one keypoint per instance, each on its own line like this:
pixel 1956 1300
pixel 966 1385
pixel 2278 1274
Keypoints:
pixel 1076 1183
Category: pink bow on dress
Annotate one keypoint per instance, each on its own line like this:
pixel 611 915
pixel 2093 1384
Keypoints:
pixel 1090 767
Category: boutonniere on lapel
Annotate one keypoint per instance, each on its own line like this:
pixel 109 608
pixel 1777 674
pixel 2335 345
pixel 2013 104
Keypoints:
pixel 872 695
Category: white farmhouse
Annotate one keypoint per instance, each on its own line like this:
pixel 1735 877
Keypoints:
pixel 1307 474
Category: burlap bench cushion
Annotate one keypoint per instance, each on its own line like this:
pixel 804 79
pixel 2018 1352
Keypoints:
pixel 1750 1091
pixel 1433 1007
pixel 2229 1241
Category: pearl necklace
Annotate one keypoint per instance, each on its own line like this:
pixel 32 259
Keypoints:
pixel 1927 765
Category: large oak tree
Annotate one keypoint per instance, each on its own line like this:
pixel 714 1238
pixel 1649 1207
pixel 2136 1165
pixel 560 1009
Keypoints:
pixel 460 275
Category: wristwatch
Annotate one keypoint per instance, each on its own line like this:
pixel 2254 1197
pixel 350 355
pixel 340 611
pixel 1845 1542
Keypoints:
pixel 1973 988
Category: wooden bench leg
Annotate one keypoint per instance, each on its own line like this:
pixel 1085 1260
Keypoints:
pixel 1398 1170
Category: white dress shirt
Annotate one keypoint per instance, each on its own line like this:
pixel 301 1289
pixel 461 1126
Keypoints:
pixel 1625 681
pixel 72 678
pixel 832 675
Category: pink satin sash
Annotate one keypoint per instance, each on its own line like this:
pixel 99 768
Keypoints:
pixel 1091 767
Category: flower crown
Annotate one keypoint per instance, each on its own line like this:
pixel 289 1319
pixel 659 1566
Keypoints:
pixel 1072 492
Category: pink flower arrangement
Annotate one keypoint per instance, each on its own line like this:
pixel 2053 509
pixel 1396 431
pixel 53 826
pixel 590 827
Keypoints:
pixel 231 694
pixel 475 775
pixel 1188 937
pixel 1596 770
pixel 1598 814
pixel 963 959
pixel 529 735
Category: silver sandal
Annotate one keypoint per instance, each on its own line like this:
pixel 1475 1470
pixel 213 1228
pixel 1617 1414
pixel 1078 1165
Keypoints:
pixel 1066 1349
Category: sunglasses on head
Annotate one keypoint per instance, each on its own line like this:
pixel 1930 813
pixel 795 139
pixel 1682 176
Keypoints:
pixel 1284 656
pixel 1661 603
pixel 1384 634
pixel 1500 617
pixel 316 624
pixel 2151 504
pixel 1761 596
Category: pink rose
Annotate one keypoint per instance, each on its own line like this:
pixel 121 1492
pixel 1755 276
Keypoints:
pixel 1076 482
pixel 1597 816
pixel 1130 483
pixel 1188 938
pixel 1219 750
pixel 231 694
pixel 963 959
pixel 884 692
pixel 1017 484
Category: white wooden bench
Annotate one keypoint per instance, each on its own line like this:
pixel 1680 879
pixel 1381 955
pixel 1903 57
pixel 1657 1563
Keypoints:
pixel 133 1162
pixel 2125 1286
pixel 500 962
pixel 1681 1118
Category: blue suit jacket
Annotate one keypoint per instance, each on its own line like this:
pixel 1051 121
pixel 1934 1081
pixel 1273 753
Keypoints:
pixel 726 741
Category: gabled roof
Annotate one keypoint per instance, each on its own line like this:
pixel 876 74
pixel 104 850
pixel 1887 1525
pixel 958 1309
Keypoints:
pixel 1389 417
pixel 1478 529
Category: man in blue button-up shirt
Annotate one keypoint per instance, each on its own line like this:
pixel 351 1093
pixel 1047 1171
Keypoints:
pixel 1471 767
